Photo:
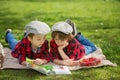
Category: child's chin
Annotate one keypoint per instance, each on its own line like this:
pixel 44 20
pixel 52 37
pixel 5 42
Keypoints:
pixel 39 45
pixel 60 45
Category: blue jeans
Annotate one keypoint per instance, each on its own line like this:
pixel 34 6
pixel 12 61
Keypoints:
pixel 89 46
pixel 11 40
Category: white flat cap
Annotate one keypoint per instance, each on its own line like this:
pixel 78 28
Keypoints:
pixel 37 27
pixel 62 27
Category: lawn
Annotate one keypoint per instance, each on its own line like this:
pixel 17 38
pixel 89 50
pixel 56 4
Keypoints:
pixel 98 20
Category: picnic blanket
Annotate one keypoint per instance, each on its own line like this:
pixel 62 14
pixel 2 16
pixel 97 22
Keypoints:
pixel 12 63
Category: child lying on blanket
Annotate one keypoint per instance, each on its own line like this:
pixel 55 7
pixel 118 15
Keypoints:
pixel 89 46
pixel 64 48
pixel 33 46
pixel 69 51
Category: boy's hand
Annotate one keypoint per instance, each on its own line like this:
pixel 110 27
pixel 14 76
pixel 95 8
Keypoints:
pixel 63 46
pixel 39 61
pixel 24 63
pixel 70 62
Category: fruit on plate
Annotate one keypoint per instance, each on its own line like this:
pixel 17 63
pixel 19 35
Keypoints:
pixel 89 62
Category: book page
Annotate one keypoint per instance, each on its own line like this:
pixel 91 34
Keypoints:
pixel 61 70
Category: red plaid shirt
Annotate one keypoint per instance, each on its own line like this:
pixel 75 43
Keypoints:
pixel 23 50
pixel 74 50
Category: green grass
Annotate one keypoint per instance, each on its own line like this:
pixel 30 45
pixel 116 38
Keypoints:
pixel 99 21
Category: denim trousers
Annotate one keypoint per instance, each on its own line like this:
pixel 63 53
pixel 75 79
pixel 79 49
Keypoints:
pixel 11 40
pixel 89 46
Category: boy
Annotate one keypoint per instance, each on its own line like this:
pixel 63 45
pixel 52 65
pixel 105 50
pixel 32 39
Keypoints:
pixel 33 46
pixel 64 49
pixel 89 46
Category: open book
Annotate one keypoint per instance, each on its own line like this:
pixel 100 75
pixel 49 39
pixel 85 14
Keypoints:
pixel 48 69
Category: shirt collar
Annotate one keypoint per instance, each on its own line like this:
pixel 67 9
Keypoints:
pixel 36 51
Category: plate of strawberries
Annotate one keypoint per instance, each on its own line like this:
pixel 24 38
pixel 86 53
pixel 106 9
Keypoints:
pixel 89 62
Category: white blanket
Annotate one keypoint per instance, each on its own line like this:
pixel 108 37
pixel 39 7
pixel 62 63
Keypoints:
pixel 12 63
